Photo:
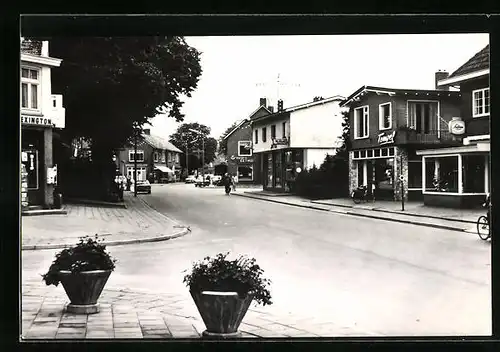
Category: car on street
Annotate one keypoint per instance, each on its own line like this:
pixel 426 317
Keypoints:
pixel 142 187
pixel 190 179
pixel 200 182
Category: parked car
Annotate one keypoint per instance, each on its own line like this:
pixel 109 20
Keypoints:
pixel 202 183
pixel 190 179
pixel 142 187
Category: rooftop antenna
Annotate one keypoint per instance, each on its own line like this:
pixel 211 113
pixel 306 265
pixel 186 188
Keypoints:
pixel 278 84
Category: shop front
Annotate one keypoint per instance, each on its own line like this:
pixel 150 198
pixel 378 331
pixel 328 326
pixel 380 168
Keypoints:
pixel 280 169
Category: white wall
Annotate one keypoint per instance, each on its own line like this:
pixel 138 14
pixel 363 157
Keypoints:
pixel 318 126
pixel 316 157
pixel 261 146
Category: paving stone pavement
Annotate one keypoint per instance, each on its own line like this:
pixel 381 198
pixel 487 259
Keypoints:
pixel 138 221
pixel 127 314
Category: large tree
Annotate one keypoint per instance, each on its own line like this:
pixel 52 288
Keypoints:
pixel 343 150
pixel 222 141
pixel 194 142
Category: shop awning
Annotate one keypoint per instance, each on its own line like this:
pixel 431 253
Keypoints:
pixel 163 168
pixel 474 148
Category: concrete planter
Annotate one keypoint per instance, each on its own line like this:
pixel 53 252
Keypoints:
pixel 83 289
pixel 222 312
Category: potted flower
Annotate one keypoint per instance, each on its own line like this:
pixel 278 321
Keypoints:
pixel 223 290
pixel 83 270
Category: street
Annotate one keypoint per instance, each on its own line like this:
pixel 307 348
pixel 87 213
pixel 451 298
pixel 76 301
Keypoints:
pixel 380 277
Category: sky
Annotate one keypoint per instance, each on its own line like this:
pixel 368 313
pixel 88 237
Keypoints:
pixel 238 70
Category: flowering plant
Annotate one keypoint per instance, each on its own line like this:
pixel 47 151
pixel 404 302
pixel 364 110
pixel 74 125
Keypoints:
pixel 88 254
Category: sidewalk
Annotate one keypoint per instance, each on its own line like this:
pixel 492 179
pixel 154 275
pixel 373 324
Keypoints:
pixel 141 314
pixel 135 224
pixel 415 212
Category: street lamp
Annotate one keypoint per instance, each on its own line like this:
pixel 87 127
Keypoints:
pixel 187 155
pixel 203 152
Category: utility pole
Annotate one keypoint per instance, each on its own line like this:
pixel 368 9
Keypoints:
pixel 135 161
pixel 401 178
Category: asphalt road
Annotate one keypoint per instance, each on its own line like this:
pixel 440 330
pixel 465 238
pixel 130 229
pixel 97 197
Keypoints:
pixel 380 277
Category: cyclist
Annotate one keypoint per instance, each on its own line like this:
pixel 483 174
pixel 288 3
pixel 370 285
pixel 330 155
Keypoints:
pixel 487 205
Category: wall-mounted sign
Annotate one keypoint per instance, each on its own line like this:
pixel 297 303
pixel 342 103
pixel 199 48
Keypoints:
pixel 37 121
pixel 241 159
pixel 386 138
pixel 279 141
pixel 456 126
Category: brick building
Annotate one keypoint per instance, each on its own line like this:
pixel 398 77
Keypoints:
pixel 388 126
pixel 463 172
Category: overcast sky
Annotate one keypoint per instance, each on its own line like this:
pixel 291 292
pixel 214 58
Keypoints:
pixel 238 70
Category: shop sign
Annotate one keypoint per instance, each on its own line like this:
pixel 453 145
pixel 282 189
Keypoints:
pixel 386 138
pixel 456 126
pixel 241 159
pixel 37 121
pixel 275 142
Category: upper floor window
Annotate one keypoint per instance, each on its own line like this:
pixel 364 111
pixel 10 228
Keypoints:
pixel 273 131
pixel 481 102
pixel 30 91
pixel 140 155
pixel 384 116
pixel 283 128
pixel 177 158
pixel 244 148
pixel 162 156
pixel 264 134
pixel 423 116
pixel 156 157
pixel 361 122
pixel 256 136
pixel 169 157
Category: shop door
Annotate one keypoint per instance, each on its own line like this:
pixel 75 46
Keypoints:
pixel 32 157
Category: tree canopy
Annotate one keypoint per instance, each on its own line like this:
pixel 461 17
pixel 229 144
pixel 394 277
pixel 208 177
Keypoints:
pixel 183 135
pixel 111 83
pixel 222 141
pixel 343 150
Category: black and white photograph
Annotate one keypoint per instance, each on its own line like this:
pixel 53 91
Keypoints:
pixel 252 187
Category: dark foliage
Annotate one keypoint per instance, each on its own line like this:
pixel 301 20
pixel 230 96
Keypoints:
pixel 87 255
pixel 241 275
pixel 183 135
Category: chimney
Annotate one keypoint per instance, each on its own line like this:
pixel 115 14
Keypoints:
pixel 146 131
pixel 439 76
pixel 263 101
pixel 45 48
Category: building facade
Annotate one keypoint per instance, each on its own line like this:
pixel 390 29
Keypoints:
pixel 461 174
pixel 388 126
pixel 158 160
pixel 41 113
pixel 294 139
pixel 240 157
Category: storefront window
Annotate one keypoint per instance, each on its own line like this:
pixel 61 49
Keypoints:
pixel 269 170
pixel 277 170
pixel 245 173
pixel 384 170
pixel 414 174
pixel 377 153
pixel 447 176
pixel 473 173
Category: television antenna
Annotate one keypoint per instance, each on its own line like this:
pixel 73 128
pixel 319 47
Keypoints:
pixel 278 83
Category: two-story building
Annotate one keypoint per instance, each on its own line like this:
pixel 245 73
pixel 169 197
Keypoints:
pixel 469 164
pixel 158 160
pixel 239 156
pixel 41 113
pixel 388 126
pixel 294 139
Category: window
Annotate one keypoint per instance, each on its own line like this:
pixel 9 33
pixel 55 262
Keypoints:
pixel 177 158
pixel 273 131
pixel 162 156
pixel 473 173
pixel 141 173
pixel 264 135
pixel 361 122
pixel 29 88
pixel 269 170
pixel 391 151
pixel 430 167
pixel 423 116
pixel 244 148
pixel 370 153
pixel 447 175
pixel 245 173
pixel 140 155
pixel 481 102
pixel 384 116
pixel 363 154
pixel 376 153
pixel 356 155
pixel 256 136
pixel 169 159
pixel 283 127
pixel 384 152
pixel 155 157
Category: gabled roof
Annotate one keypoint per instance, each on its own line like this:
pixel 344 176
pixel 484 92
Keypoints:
pixel 480 61
pixel 32 47
pixel 391 91
pixel 242 122
pixel 160 143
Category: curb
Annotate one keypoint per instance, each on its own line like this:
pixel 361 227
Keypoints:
pixel 96 202
pixel 44 212
pixel 444 227
pixel 181 233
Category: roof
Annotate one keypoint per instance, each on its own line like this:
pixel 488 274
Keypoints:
pixel 304 106
pixel 242 122
pixel 32 47
pixel 160 143
pixel 480 61
pixel 392 91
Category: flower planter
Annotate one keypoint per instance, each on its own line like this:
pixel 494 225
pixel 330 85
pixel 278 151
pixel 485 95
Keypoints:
pixel 222 312
pixel 83 289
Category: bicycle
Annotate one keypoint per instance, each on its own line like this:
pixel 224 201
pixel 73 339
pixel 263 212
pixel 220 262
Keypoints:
pixel 361 194
pixel 483 227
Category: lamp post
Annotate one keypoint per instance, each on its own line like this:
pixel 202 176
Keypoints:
pixel 202 151
pixel 187 155
pixel 135 161
pixel 401 179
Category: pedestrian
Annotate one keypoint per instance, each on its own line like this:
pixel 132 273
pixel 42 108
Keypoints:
pixel 234 180
pixel 227 181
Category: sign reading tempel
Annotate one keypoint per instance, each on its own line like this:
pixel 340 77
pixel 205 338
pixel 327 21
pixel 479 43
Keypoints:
pixel 386 138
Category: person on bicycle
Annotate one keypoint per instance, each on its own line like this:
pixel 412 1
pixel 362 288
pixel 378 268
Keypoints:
pixel 227 181
pixel 487 205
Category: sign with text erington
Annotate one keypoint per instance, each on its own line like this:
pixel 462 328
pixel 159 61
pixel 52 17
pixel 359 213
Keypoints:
pixel 386 138
pixel 456 126
pixel 34 120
